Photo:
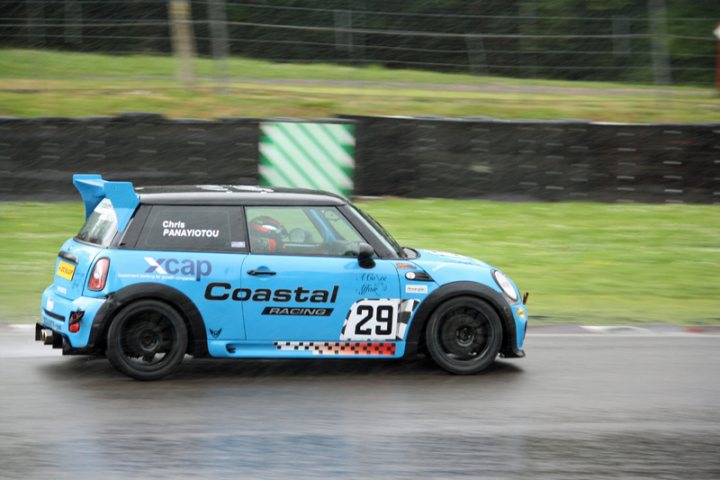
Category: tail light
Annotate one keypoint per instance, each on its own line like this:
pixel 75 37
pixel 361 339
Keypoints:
pixel 75 319
pixel 99 275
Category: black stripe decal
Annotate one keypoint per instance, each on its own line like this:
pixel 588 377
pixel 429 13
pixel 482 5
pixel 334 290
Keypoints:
pixel 53 315
pixel 68 256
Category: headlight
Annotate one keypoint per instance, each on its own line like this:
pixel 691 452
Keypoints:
pixel 505 284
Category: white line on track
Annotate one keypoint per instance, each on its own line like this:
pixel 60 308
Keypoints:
pixel 628 335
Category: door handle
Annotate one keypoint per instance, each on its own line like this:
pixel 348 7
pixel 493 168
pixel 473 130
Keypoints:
pixel 261 272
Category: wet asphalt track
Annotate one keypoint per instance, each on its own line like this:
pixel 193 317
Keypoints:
pixel 579 406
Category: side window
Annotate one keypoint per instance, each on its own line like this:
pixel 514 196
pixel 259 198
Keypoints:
pixel 194 228
pixel 339 224
pixel 322 231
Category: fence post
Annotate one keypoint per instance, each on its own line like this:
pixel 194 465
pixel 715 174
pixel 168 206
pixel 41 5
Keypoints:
pixel 343 33
pixel 359 20
pixel 716 32
pixel 657 15
pixel 182 39
pixel 219 33
pixel 73 19
pixel 621 41
pixel 529 45
pixel 476 53
pixel 35 23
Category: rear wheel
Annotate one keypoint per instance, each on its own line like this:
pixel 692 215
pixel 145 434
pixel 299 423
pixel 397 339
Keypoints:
pixel 147 340
pixel 464 335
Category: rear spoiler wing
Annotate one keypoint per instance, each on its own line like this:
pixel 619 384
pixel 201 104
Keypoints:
pixel 93 189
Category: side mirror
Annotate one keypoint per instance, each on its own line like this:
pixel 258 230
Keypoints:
pixel 365 255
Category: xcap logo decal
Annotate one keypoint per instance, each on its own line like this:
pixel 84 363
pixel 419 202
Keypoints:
pixel 155 266
pixel 173 266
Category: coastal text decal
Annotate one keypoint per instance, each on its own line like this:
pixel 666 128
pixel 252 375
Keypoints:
pixel 225 291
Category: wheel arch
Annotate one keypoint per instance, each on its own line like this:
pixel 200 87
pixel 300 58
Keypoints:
pixel 186 308
pixel 416 334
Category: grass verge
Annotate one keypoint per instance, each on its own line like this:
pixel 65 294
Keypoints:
pixel 43 83
pixel 582 262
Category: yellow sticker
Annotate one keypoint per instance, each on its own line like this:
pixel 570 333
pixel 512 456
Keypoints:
pixel 66 270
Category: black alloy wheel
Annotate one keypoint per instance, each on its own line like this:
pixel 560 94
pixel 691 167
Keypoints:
pixel 147 340
pixel 464 335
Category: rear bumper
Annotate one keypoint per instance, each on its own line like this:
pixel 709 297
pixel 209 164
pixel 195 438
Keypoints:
pixel 60 340
pixel 55 313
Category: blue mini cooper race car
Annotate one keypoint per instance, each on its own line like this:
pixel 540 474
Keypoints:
pixel 252 272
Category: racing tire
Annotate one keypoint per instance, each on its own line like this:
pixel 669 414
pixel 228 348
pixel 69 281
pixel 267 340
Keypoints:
pixel 464 335
pixel 147 340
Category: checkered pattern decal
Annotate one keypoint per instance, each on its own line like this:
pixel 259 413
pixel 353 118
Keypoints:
pixel 407 307
pixel 341 348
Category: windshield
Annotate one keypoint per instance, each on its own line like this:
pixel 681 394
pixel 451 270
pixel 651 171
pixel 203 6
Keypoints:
pixel 101 225
pixel 390 242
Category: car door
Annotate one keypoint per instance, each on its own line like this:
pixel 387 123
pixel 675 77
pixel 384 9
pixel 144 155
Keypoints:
pixel 302 280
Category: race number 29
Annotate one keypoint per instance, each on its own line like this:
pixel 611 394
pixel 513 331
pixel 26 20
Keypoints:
pixel 371 320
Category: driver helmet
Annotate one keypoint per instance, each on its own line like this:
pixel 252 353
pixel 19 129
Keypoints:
pixel 266 233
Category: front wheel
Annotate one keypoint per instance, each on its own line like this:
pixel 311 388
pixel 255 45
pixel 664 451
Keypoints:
pixel 147 340
pixel 464 335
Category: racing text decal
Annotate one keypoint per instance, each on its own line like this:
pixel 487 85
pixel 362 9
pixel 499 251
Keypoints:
pixel 302 312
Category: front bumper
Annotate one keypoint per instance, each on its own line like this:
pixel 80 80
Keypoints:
pixel 514 347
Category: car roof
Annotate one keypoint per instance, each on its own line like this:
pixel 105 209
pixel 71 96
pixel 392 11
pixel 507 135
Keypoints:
pixel 235 195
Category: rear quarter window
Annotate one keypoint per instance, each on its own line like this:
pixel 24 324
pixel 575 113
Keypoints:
pixel 194 228
pixel 101 226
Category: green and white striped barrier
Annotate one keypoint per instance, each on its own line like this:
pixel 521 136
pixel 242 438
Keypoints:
pixel 307 155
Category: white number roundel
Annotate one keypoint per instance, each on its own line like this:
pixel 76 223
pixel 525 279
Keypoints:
pixel 372 320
